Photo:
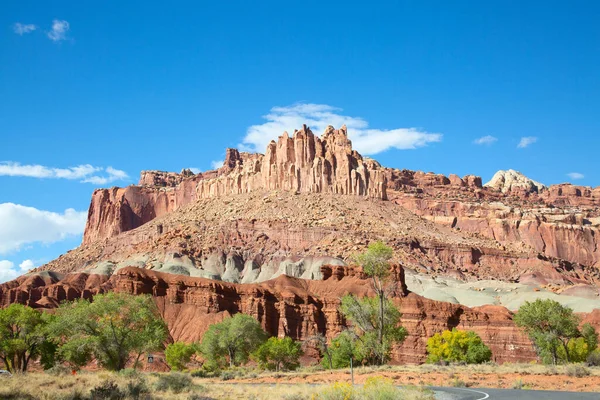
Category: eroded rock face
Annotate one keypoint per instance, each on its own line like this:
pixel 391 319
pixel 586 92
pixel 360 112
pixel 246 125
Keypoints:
pixel 303 163
pixel 511 181
pixel 284 306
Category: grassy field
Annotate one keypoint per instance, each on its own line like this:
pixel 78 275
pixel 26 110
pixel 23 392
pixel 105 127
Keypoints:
pixel 180 386
pixel 307 383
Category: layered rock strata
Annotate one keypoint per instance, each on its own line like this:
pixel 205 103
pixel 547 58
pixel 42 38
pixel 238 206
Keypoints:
pixel 285 306
pixel 303 163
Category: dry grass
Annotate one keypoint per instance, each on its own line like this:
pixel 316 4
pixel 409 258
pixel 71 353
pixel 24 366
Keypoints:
pixel 302 384
pixel 40 386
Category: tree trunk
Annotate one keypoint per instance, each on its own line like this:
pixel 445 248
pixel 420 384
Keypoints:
pixel 381 317
pixel 231 357
pixel 566 347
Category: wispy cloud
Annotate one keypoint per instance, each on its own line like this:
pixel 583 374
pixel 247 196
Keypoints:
pixel 85 173
pixel 216 164
pixel 526 141
pixel 21 29
pixel 113 175
pixel 59 30
pixel 486 140
pixel 575 175
pixel 318 116
pixel 22 225
pixel 8 270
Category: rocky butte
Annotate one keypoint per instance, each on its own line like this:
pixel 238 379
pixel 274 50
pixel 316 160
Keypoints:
pixel 274 234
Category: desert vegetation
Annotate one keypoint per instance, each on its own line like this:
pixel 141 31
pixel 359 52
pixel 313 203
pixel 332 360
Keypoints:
pixel 554 330
pixel 457 346
pixel 116 330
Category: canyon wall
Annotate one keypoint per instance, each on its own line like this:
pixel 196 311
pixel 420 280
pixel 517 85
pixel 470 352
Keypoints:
pixel 284 306
pixel 303 163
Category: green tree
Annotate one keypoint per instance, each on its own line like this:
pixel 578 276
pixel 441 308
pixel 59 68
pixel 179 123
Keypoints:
pixel 342 348
pixel 233 339
pixel 550 326
pixel 376 265
pixel 115 328
pixel 457 346
pixel 279 354
pixel 21 334
pixel 588 332
pixel 370 322
pixel 179 354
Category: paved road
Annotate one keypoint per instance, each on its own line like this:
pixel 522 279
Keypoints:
pixel 444 393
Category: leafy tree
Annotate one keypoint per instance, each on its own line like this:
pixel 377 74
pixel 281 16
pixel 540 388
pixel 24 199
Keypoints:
pixel 342 348
pixel 279 354
pixel 457 346
pixel 370 322
pixel 588 332
pixel 233 339
pixel 48 351
pixel 179 354
pixel 21 334
pixel 77 351
pixel 114 328
pixel 376 265
pixel 580 348
pixel 551 327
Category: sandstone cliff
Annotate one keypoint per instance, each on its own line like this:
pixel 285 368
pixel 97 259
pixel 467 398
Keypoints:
pixel 284 306
pixel 303 163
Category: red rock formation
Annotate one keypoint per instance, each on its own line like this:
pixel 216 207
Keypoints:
pixel 303 163
pixel 284 306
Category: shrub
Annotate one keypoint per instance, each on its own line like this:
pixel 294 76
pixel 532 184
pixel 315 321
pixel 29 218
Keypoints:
pixel 593 359
pixel 518 385
pixel 58 370
pixel 12 395
pixel 458 383
pixel 136 389
pixel 375 388
pixel 337 391
pixel 107 390
pixel 195 396
pixel 74 395
pixel 174 381
pixel 577 371
pixel 178 355
pixel 130 373
pixel 279 354
pixel 457 346
pixel 199 373
pixel 227 375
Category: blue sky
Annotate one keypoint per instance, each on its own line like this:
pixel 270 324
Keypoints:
pixel 154 85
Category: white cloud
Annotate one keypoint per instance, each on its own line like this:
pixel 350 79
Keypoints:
pixel 526 141
pixel 486 140
pixel 216 164
pixel 319 116
pixel 26 265
pixel 59 30
pixel 113 175
pixel 7 271
pixel 85 173
pixel 20 28
pixel 23 225
pixel 575 175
